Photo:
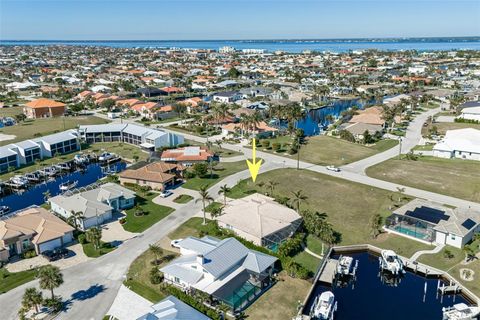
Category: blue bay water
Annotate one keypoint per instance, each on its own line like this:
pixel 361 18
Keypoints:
pixel 293 46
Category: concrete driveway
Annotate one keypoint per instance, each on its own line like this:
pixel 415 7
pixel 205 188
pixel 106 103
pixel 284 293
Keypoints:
pixel 114 233
pixel 76 257
pixel 168 201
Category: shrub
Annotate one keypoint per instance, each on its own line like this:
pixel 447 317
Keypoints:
pixel 192 301
pixel 82 239
pixel 29 254
pixel 448 254
pixel 156 277
pixel 189 175
pixel 291 246
pixel 55 304
pixel 123 220
pixel 266 144
pixel 276 146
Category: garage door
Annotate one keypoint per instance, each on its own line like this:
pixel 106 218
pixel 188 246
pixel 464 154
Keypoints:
pixel 50 245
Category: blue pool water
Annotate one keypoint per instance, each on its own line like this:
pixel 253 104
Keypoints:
pixel 34 195
pixel 372 299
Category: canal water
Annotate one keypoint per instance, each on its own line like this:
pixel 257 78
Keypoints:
pixel 35 194
pixel 316 119
pixel 374 299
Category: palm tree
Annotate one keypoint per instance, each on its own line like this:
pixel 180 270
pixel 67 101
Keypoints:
pixel 204 197
pixel 50 278
pixel 94 235
pixel 32 298
pixel 224 190
pixel 216 212
pixel 271 185
pixel 375 225
pixel 75 217
pixel 157 252
pixel 298 198
pixel 219 143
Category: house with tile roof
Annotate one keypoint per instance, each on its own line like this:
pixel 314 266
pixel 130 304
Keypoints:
pixel 187 156
pixel 156 175
pixel 33 228
pixel 224 269
pixel 43 108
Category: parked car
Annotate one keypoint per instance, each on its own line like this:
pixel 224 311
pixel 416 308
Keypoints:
pixel 174 243
pixel 166 193
pixel 56 254
pixel 333 168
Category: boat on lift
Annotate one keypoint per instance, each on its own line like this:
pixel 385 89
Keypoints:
pixel 49 171
pixel 461 311
pixel 4 210
pixel 107 156
pixel 345 265
pixel 62 166
pixel 324 307
pixel 390 261
pixel 81 159
pixel 68 185
pixel 33 177
pixel 18 181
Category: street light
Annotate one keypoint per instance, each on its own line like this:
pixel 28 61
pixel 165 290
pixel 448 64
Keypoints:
pixel 399 148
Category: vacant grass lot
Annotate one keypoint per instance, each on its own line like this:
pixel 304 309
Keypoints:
pixel 280 302
pixel 349 205
pixel 152 213
pixel 442 127
pixel 324 150
pixel 41 127
pixel 9 281
pixel 11 111
pixel 92 252
pixel 219 172
pixel 474 285
pixel 220 151
pixel 453 177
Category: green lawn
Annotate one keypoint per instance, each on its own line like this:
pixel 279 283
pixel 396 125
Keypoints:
pixel 152 213
pixel 442 127
pixel 280 302
pixel 92 252
pixel 324 150
pixel 10 112
pixel 453 177
pixel 221 171
pixel 183 198
pixel 308 261
pixel 41 127
pixel 212 206
pixel 191 227
pixel 442 262
pixel 124 150
pixel 474 285
pixel 9 281
pixel 138 276
pixel 349 205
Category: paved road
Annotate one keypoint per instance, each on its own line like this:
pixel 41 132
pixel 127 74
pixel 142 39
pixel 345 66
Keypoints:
pixel 411 139
pixel 91 287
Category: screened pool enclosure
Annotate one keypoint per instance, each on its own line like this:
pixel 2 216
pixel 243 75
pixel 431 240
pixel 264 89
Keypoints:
pixel 412 227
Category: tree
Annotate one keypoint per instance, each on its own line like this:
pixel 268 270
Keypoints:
pixel 271 185
pixel 156 251
pixel 46 195
pixel 233 73
pixel 367 137
pixel 298 198
pixel 469 253
pixel 204 197
pixel 200 169
pixel 50 278
pixel 375 225
pixel 32 298
pixel 94 235
pixel 224 190
pixel 75 217
pixel 216 212
pixel 107 104
pixel 20 117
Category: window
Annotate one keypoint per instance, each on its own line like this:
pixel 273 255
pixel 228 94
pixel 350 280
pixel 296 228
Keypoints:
pixel 176 279
pixel 452 236
pixel 25 244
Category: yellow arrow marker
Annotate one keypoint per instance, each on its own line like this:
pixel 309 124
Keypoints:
pixel 254 165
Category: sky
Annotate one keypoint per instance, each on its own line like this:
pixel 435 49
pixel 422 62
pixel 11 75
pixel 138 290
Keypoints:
pixel 235 19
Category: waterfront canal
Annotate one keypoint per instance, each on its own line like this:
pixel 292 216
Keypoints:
pixel 373 298
pixel 34 195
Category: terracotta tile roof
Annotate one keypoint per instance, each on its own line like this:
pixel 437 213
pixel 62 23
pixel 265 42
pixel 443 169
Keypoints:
pixel 155 172
pixel 44 103
pixel 36 222
pixel 187 154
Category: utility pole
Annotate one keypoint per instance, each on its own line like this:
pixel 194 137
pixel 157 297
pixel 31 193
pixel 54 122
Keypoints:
pixel 399 148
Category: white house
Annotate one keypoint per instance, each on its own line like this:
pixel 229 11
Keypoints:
pixel 221 268
pixel 470 113
pixel 227 96
pixel 460 143
pixel 434 223
pixel 97 205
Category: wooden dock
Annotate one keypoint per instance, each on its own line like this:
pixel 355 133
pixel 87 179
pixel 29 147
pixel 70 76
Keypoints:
pixel 328 274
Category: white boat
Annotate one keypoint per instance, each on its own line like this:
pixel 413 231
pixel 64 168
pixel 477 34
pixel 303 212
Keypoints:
pixel 461 311
pixel 49 171
pixel 324 306
pixel 67 185
pixel 106 156
pixel 19 181
pixel 80 159
pixel 4 210
pixel 345 265
pixel 391 262
pixel 33 176
pixel 62 166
